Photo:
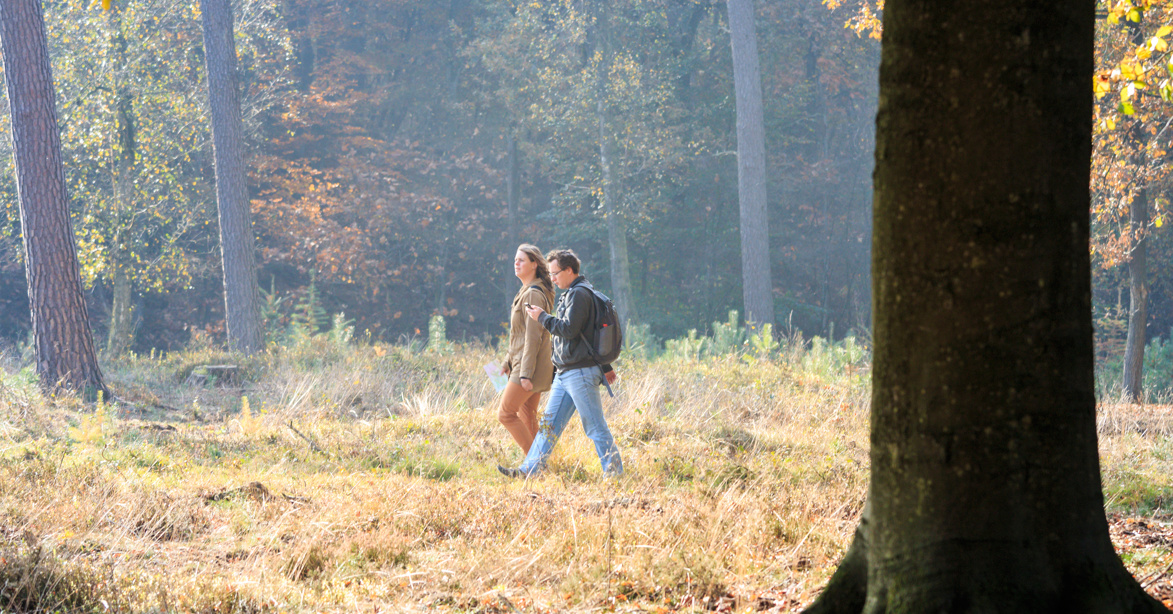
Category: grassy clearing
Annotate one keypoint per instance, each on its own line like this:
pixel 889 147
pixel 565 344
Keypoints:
pixel 362 478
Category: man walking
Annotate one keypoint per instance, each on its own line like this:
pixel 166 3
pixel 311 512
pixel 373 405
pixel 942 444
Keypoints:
pixel 576 383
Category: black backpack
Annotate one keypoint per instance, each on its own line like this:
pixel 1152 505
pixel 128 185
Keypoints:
pixel 604 348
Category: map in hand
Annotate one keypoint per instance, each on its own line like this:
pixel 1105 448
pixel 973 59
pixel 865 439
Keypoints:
pixel 493 370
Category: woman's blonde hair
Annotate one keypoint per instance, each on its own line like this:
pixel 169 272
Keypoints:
pixel 542 272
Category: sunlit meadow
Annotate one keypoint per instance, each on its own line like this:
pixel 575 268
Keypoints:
pixel 357 477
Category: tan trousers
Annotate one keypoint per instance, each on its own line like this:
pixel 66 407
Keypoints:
pixel 519 414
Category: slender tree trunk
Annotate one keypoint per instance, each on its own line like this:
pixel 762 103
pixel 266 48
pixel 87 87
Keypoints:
pixel 64 343
pixel 241 297
pixel 985 484
pixel 513 190
pixel 1138 288
pixel 621 292
pixel 1138 298
pixel 616 229
pixel 121 315
pixel 513 198
pixel 121 333
pixel 757 285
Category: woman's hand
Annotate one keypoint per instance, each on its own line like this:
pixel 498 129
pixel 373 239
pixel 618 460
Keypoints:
pixel 505 369
pixel 534 312
pixel 527 385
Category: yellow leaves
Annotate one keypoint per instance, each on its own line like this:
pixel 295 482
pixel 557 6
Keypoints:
pixel 1159 221
pixel 1101 85
pixel 1118 11
pixel 1131 70
pixel 1128 92
pixel 1126 10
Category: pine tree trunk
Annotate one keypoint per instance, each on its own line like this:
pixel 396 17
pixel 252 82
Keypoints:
pixel 241 297
pixel 757 285
pixel 1138 298
pixel 985 484
pixel 64 343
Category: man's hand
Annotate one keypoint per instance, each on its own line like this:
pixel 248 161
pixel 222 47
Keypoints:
pixel 534 312
pixel 611 376
pixel 505 369
pixel 527 385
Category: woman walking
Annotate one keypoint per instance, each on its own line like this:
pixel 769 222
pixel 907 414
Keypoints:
pixel 528 364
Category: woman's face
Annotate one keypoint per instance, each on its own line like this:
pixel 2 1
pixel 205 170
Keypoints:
pixel 523 267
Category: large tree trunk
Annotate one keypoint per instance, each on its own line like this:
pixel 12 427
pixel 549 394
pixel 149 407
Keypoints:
pixel 757 286
pixel 64 343
pixel 1138 298
pixel 242 300
pixel 985 486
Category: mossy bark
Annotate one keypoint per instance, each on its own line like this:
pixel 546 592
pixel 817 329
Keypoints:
pixel 985 488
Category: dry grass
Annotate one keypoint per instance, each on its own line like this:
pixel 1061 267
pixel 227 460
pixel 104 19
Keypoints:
pixel 363 479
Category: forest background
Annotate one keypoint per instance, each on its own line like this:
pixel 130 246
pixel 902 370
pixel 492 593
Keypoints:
pixel 383 137
pixel 399 151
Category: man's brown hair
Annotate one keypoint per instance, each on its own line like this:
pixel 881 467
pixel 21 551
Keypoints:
pixel 566 259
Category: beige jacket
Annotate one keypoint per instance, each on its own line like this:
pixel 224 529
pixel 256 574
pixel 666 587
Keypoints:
pixel 529 342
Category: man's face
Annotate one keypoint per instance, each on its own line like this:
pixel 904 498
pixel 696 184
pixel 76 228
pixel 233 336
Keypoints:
pixel 562 277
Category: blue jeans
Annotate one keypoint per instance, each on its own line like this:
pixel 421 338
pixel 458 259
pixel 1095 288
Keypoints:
pixel 571 390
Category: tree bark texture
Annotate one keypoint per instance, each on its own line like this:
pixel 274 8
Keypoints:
pixel 242 300
pixel 1138 299
pixel 757 285
pixel 985 488
pixel 64 343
